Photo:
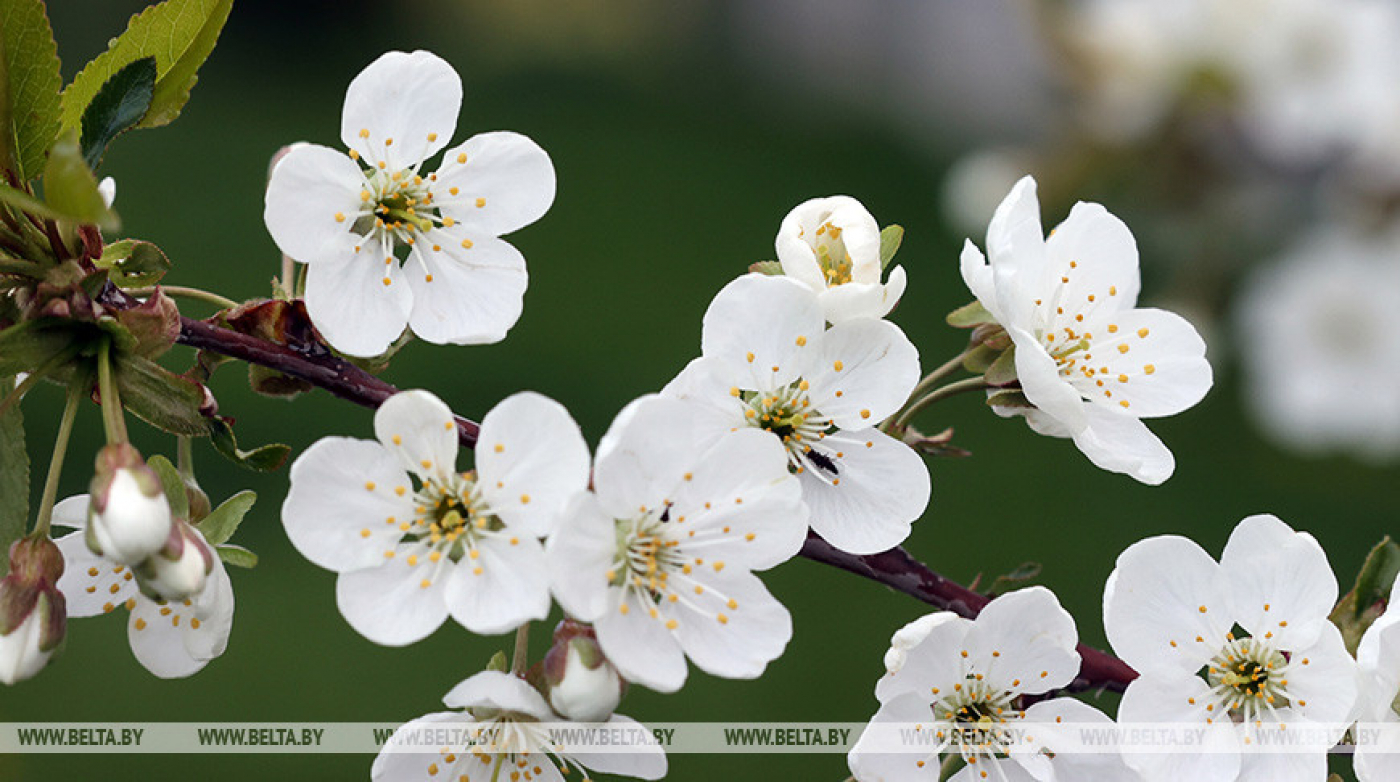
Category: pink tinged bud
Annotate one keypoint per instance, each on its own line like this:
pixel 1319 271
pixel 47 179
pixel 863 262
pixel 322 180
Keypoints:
pixel 179 570
pixel 582 685
pixel 33 615
pixel 129 515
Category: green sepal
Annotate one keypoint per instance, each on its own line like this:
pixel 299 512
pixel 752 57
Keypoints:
pixel 172 484
pixel 1009 398
pixel 970 316
pixel 266 458
pixel 162 398
pixel 133 263
pixel 890 239
pixel 1367 600
pixel 121 103
pixel 498 662
pixel 770 268
pixel 980 359
pixel 223 521
pixel 237 555
pixel 70 188
pixel 1002 372
pixel 14 475
pixel 29 94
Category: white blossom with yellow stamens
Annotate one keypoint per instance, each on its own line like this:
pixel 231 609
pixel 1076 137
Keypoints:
pixel 660 556
pixel 832 245
pixel 171 639
pixel 348 217
pixel 505 735
pixel 413 539
pixel 769 363
pixel 1233 646
pixel 1090 360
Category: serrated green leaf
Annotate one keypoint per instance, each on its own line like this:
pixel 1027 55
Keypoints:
pixel 30 95
pixel 31 344
pixel 117 107
pixel 969 316
pixel 1002 372
pixel 134 264
pixel 770 268
pixel 263 459
pixel 180 34
pixel 172 484
pixel 223 521
pixel 71 189
pixel 14 477
pixel 890 239
pixel 160 397
pixel 237 556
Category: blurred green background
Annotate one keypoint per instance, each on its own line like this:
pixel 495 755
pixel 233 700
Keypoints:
pixel 675 165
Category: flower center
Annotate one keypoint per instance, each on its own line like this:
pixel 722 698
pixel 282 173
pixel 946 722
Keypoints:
pixel 977 713
pixel 651 563
pixel 789 415
pixel 395 206
pixel 831 254
pixel 450 517
pixel 1248 677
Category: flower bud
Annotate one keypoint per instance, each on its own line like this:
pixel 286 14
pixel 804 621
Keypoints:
pixel 579 681
pixel 179 569
pixel 33 613
pixel 130 517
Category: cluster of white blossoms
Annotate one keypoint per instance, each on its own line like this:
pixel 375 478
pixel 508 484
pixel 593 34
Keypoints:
pixel 1239 654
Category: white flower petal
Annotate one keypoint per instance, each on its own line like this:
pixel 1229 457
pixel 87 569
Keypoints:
pixel 1016 247
pixel 465 296
pixel 1152 362
pixel 1180 697
pixel 579 554
pixel 879 366
pixel 735 628
pixel 1123 444
pixel 309 189
pixel 646 761
pixel 705 383
pixel 498 690
pixel 506 586
pixel 1042 384
pixel 645 454
pixel 402 108
pixel 1280 581
pixel 339 489
pixel 389 604
pixel 1164 594
pixel 1104 255
pixel 90 584
pixel 876 758
pixel 1266 766
pixel 933 662
pixel 214 609
pixel 503 182
pixel 763 326
pixel 861 515
pixel 977 273
pixel 1324 689
pixel 351 304
pixel 1003 770
pixel 858 300
pixel 640 646
pixel 1026 635
pixel 418 428
pixel 1069 764
pixel 402 759
pixel 72 511
pixel 531 459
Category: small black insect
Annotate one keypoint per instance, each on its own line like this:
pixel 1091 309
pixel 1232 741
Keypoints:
pixel 823 461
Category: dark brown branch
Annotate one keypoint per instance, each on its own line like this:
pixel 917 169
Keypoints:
pixel 899 571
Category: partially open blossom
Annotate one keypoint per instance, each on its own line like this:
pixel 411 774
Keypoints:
pixel 130 514
pixel 1091 361
pixel 348 216
pixel 832 245
pixel 178 570
pixel 577 678
pixel 33 615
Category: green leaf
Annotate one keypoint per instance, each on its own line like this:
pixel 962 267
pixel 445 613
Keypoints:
pixel 969 316
pixel 25 202
pixel 14 477
pixel 264 459
pixel 179 34
pixel 1365 603
pixel 31 344
pixel 121 103
pixel 29 102
pixel 172 484
pixel 770 268
pixel 890 239
pixel 1002 372
pixel 1009 399
pixel 237 555
pixel 160 397
pixel 133 263
pixel 220 525
pixel 499 662
pixel 71 189
pixel 980 359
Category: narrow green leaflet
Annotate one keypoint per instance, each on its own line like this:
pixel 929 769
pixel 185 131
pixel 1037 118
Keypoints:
pixel 14 477
pixel 237 556
pixel 267 458
pixel 179 34
pixel 71 189
pixel 1002 372
pixel 970 315
pixel 117 107
pixel 173 485
pixel 1365 603
pixel 32 85
pixel 220 525
pixel 890 239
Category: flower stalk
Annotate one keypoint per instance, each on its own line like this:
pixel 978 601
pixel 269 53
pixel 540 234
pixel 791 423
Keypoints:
pixel 60 449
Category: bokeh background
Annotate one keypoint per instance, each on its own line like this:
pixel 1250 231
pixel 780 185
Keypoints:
pixel 682 133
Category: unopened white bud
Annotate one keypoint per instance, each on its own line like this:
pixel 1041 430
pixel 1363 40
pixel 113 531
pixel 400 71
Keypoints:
pixel 130 517
pixel 179 570
pixel 586 694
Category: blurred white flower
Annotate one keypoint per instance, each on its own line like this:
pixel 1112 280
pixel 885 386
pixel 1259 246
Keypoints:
pixel 977 182
pixel 832 245
pixel 1171 612
pixel 1091 361
pixel 769 363
pixel 345 217
pixel 1319 335
pixel 660 558
pixel 172 639
pixel 414 540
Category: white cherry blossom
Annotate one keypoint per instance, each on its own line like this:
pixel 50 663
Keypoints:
pixel 660 556
pixel 349 216
pixel 832 245
pixel 1090 360
pixel 413 539
pixel 506 724
pixel 1378 657
pixel 769 363
pixel 1233 647
pixel 171 639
